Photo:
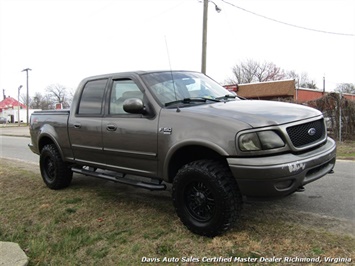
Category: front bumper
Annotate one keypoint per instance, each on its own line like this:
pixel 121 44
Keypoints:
pixel 282 175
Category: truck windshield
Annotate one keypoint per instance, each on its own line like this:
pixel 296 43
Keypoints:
pixel 174 87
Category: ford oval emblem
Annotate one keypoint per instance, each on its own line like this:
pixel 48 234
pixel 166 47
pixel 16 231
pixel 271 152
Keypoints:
pixel 312 131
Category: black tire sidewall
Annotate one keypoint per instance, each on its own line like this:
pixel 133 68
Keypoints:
pixel 202 171
pixel 193 176
pixel 62 175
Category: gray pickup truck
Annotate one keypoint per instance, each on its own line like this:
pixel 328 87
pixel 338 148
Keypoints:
pixel 181 127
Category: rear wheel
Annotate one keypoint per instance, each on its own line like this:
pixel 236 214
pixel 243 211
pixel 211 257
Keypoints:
pixel 206 197
pixel 55 172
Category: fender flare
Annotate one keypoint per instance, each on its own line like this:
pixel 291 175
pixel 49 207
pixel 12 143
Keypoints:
pixel 190 142
pixel 48 131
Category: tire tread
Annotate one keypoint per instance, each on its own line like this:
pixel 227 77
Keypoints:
pixel 63 173
pixel 228 186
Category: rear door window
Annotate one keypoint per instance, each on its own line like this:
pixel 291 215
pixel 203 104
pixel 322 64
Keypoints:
pixel 92 97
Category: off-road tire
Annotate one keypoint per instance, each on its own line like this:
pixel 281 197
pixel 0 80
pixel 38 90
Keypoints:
pixel 55 172
pixel 206 197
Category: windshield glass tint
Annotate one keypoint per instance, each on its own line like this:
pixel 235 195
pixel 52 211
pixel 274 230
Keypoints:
pixel 174 86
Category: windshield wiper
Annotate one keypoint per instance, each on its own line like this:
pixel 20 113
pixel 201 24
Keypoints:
pixel 227 96
pixel 192 100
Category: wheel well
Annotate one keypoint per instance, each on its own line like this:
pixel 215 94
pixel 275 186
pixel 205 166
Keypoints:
pixel 43 142
pixel 189 154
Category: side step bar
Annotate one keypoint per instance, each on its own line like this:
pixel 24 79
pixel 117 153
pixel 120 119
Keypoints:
pixel 120 179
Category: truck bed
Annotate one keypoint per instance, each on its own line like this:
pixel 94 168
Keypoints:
pixel 55 124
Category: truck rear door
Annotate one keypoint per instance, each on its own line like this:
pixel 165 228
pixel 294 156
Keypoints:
pixel 86 123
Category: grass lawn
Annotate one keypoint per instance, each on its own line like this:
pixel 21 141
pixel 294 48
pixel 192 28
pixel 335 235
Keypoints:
pixel 96 222
pixel 346 150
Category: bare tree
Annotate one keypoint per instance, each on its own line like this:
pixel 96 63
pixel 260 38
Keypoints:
pixel 345 88
pixel 269 71
pixel 59 94
pixel 302 80
pixel 253 71
pixel 245 72
pixel 41 102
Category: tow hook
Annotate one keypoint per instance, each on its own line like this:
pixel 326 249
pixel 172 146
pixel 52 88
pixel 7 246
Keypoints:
pixel 301 189
pixel 331 172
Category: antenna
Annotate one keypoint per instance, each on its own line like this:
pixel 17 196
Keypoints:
pixel 167 51
pixel 171 72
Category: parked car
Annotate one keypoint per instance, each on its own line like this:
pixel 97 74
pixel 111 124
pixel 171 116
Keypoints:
pixel 3 120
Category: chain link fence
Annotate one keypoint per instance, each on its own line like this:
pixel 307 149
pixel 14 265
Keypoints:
pixel 339 114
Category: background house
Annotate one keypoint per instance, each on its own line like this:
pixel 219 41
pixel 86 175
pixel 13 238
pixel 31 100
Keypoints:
pixel 10 108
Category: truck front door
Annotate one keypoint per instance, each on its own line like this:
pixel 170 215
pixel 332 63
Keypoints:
pixel 129 140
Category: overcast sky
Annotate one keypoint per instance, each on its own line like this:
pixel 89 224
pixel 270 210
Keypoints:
pixel 68 40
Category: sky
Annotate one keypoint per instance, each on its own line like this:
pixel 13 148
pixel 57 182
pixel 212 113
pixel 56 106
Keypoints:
pixel 64 41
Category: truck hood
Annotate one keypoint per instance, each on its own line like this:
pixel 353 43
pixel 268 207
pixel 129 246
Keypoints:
pixel 258 113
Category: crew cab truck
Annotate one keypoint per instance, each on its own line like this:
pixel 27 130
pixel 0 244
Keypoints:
pixel 181 127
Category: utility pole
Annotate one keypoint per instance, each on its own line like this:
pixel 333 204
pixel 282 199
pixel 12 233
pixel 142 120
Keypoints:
pixel 204 32
pixel 27 69
pixel 340 123
pixel 19 105
pixel 204 36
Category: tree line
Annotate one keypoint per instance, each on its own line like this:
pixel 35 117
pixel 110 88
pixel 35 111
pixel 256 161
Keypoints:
pixel 251 71
pixel 54 94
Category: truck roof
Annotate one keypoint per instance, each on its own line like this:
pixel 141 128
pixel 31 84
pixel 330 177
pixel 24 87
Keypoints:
pixel 133 73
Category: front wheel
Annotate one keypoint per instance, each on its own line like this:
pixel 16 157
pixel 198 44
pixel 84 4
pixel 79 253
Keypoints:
pixel 206 197
pixel 55 172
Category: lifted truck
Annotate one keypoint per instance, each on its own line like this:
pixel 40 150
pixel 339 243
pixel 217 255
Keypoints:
pixel 183 128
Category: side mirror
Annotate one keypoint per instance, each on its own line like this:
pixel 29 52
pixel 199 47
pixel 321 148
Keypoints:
pixel 133 106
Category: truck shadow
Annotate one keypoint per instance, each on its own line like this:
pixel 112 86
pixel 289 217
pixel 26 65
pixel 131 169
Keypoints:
pixel 121 193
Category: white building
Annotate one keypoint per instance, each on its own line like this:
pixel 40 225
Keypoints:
pixel 14 111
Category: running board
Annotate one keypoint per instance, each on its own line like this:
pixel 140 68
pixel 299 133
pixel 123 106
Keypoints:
pixel 121 179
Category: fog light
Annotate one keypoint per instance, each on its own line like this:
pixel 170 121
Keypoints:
pixel 284 184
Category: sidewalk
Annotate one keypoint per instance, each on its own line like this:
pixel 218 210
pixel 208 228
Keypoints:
pixel 11 254
pixel 14 130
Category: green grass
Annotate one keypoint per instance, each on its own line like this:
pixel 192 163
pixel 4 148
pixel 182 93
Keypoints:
pixel 96 222
pixel 346 150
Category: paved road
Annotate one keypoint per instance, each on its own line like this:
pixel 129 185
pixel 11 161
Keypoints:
pixel 333 195
pixel 17 148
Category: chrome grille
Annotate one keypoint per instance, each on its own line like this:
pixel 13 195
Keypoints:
pixel 307 133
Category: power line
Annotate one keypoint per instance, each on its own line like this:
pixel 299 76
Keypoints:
pixel 288 24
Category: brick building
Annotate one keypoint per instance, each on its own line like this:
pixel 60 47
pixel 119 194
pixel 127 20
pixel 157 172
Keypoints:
pixel 280 90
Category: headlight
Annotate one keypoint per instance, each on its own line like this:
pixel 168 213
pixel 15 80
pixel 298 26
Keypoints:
pixel 249 142
pixel 263 140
